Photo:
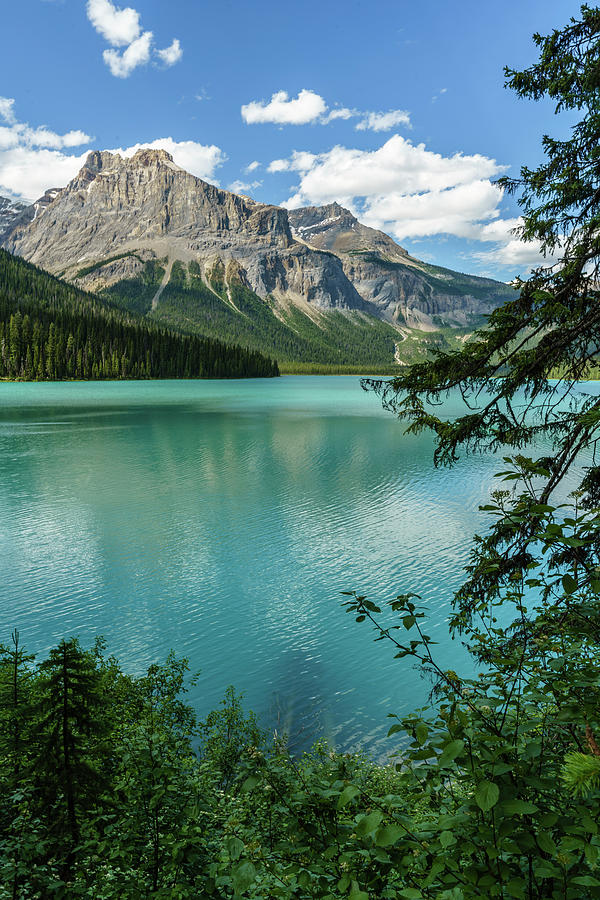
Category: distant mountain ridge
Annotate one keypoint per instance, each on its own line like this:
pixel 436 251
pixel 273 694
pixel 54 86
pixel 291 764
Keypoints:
pixel 402 288
pixel 147 231
pixel 17 214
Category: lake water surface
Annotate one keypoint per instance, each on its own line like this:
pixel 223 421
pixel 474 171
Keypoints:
pixel 222 519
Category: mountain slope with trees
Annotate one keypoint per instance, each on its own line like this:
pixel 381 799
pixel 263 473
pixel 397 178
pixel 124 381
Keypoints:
pixel 334 294
pixel 51 330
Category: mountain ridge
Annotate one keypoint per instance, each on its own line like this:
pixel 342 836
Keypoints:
pixel 123 222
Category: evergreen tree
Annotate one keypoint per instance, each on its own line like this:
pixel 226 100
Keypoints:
pixel 69 736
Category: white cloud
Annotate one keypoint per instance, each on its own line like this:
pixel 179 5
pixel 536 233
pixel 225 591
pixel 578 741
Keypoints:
pixel 119 27
pixel 398 166
pixel 137 54
pixel 172 54
pixel 26 172
pixel 509 249
pixel 339 113
pixel 6 110
pixel 122 28
pixel 15 133
pixel 33 159
pixel 310 108
pixel 243 187
pixel 279 165
pixel 200 160
pixel 459 210
pixel 280 110
pixel 253 166
pixel 401 187
pixel 383 121
pixel 412 192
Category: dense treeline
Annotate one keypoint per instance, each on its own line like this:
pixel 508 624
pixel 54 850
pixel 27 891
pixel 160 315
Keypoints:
pixel 51 331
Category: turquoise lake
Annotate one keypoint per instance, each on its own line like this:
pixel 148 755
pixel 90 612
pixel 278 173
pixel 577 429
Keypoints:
pixel 222 519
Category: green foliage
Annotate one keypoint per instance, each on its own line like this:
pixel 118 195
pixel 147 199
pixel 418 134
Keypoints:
pixel 236 314
pixel 50 330
pixel 226 733
pixel 581 773
pixel 136 294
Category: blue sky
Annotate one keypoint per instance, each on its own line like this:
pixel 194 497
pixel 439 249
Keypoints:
pixel 395 109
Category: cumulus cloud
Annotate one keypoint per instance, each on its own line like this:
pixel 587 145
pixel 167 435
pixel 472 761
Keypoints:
pixel 35 159
pixel 137 54
pixel 6 110
pixel 310 108
pixel 384 121
pixel 413 192
pixel 281 110
pixel 401 187
pixel 122 28
pixel 172 54
pixel 119 27
pixel 339 113
pixel 14 133
pixel 243 187
pixel 509 249
pixel 26 173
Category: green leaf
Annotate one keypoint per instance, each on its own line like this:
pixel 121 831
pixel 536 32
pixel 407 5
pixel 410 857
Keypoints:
pixel 250 783
pixel 388 835
pixel 569 584
pixel 546 843
pixel 410 894
pixel 487 795
pixel 243 876
pixel 518 807
pixel 343 884
pixel 349 792
pixel 356 893
pixel 446 839
pixel 450 752
pixel 585 880
pixel 421 732
pixel 235 847
pixel 368 824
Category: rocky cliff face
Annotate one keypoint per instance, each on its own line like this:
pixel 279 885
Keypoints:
pixel 334 228
pixel 118 214
pixel 400 287
pixel 149 204
pixel 10 210
pixel 17 215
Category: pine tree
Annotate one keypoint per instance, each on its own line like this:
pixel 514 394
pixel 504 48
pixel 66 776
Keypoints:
pixel 70 733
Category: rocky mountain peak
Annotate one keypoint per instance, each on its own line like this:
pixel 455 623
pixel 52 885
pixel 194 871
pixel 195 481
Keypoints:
pixel 105 161
pixel 119 213
pixel 335 228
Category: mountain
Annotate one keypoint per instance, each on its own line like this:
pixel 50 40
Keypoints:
pixel 52 330
pixel 16 214
pixel 10 210
pixel 401 288
pixel 312 285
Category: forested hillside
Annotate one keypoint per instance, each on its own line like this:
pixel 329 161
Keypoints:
pixel 51 330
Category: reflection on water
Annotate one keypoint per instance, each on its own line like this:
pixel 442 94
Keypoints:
pixel 223 519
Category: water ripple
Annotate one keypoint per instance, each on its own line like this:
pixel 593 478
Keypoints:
pixel 222 520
